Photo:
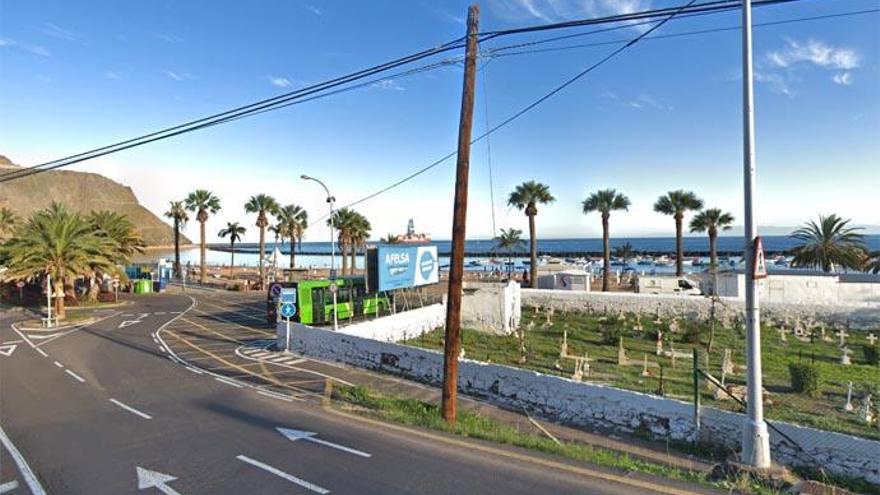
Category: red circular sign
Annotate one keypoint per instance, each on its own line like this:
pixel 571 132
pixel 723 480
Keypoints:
pixel 19 284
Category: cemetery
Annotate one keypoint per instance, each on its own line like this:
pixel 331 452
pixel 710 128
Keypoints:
pixel 818 374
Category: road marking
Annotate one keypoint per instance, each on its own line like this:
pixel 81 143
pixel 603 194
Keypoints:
pixel 294 435
pixel 23 468
pixel 277 396
pixel 127 323
pixel 281 474
pixel 77 377
pixel 8 487
pixel 7 350
pixel 40 351
pixel 242 352
pixel 190 368
pixel 19 341
pixel 228 382
pixel 155 479
pixel 59 364
pixel 131 409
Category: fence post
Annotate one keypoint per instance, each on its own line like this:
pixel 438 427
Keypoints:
pixel 696 397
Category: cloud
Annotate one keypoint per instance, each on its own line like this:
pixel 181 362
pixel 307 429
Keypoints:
pixel 640 102
pixel 388 84
pixel 6 42
pixel 313 9
pixel 56 31
pixel 777 82
pixel 179 76
pixel 112 75
pixel 281 82
pixel 559 10
pixel 843 78
pixel 814 52
pixel 35 49
pixel 168 38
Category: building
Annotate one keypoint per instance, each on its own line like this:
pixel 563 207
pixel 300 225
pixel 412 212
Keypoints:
pixel 803 287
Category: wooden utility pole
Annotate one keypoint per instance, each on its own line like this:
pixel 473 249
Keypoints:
pixel 459 217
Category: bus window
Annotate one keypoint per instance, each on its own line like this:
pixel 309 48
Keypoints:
pixel 318 305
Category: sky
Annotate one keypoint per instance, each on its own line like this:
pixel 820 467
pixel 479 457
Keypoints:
pixel 665 114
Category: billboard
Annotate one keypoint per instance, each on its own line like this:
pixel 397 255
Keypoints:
pixel 394 266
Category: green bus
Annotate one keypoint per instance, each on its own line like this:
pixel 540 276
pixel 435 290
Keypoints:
pixel 314 300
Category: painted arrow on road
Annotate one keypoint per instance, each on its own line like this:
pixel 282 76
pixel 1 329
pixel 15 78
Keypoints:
pixel 294 435
pixel 127 323
pixel 7 350
pixel 155 479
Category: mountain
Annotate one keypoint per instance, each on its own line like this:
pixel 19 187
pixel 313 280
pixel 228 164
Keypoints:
pixel 83 192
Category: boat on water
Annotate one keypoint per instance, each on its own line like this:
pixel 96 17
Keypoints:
pixel 645 261
pixel 663 261
pixel 781 261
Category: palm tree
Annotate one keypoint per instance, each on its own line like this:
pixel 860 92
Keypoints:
pixel 234 231
pixel 177 213
pixel 872 264
pixel 262 205
pixel 342 221
pixel 829 244
pixel 202 202
pixel 710 221
pixel 625 251
pixel 61 244
pixel 125 238
pixel 605 201
pixel 526 197
pixel 359 233
pixel 8 221
pixel 292 222
pixel 276 231
pixel 676 203
pixel 510 240
pixel 389 239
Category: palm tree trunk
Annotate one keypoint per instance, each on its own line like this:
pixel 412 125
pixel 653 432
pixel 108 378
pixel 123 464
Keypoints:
pixel 231 258
pixel 679 247
pixel 292 254
pixel 343 244
pixel 176 247
pixel 262 252
pixel 713 261
pixel 533 253
pixel 351 267
pixel 60 313
pixel 202 252
pixel 606 253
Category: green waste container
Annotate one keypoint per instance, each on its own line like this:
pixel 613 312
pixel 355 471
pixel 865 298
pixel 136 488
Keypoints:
pixel 143 287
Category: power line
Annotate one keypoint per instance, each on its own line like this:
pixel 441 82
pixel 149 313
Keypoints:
pixel 528 107
pixel 228 115
pixel 494 52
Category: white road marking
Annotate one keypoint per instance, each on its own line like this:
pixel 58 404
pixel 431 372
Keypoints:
pixel 127 323
pixel 228 382
pixel 8 487
pixel 159 313
pixel 155 479
pixel 77 377
pixel 19 341
pixel 23 468
pixel 131 409
pixel 275 396
pixel 7 350
pixel 40 351
pixel 294 435
pixel 59 364
pixel 190 368
pixel 277 472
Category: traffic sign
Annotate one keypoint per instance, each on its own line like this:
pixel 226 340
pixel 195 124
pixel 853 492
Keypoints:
pixel 19 284
pixel 334 288
pixel 760 264
pixel 288 295
pixel 288 310
pixel 275 290
pixel 332 274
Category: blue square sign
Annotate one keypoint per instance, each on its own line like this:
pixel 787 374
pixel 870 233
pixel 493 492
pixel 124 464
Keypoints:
pixel 288 296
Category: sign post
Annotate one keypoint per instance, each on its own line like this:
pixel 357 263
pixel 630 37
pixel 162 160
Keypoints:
pixel 20 285
pixel 49 300
pixel 287 309
pixel 333 290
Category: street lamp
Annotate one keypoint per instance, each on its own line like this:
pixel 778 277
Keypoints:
pixel 331 200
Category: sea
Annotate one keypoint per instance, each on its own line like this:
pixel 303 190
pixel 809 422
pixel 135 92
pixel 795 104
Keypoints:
pixel 317 254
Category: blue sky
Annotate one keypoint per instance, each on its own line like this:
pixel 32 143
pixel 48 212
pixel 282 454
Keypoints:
pixel 663 115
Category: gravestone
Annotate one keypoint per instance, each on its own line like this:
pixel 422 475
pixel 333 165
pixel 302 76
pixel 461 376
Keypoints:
pixel 674 327
pixel 659 342
pixel 645 371
pixel 622 360
pixel 782 331
pixel 848 407
pixel 842 335
pixel 563 348
pixel 727 366
pixel 871 338
pixel 845 358
pixel 638 328
pixel 866 410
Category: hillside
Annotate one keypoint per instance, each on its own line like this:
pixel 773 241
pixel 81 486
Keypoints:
pixel 82 192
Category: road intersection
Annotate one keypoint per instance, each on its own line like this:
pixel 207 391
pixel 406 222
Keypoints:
pixel 176 394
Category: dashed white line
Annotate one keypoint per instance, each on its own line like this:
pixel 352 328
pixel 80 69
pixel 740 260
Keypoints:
pixel 276 396
pixel 23 468
pixel 228 382
pixel 131 409
pixel 8 487
pixel 281 474
pixel 74 375
pixel 41 351
pixel 190 368
pixel 59 364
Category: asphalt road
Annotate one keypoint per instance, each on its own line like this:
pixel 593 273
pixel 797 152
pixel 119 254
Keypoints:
pixel 166 396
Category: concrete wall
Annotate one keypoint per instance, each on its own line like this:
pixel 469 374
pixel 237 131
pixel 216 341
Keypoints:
pixel 491 307
pixel 589 405
pixel 858 316
pixel 397 327
pixel 802 289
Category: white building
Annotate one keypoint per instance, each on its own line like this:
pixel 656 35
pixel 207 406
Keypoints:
pixel 804 288
pixel 578 280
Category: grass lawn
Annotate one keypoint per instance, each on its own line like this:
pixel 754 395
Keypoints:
pixel 593 334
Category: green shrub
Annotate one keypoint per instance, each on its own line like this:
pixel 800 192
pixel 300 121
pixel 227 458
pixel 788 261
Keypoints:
pixel 872 354
pixel 805 378
pixel 611 333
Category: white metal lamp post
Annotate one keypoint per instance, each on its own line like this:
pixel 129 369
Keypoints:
pixel 756 439
pixel 331 200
